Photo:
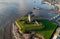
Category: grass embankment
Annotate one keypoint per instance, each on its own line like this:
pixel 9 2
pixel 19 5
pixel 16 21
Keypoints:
pixel 46 32
pixel 49 28
pixel 28 27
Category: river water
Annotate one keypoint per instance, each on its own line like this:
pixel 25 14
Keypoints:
pixel 11 9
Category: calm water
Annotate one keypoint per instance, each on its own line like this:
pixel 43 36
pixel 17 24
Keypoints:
pixel 10 9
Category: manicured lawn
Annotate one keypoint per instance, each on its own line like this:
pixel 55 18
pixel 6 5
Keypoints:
pixel 25 27
pixel 49 28
pixel 46 32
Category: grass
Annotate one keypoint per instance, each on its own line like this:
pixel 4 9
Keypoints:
pixel 25 27
pixel 49 28
pixel 58 20
pixel 46 32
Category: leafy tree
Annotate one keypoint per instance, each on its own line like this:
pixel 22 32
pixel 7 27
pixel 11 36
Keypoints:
pixel 58 20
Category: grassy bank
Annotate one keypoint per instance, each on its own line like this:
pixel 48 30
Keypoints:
pixel 46 32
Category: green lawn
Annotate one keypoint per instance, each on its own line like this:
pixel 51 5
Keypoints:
pixel 26 27
pixel 49 28
pixel 46 32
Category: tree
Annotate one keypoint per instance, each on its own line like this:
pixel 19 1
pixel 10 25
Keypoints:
pixel 58 20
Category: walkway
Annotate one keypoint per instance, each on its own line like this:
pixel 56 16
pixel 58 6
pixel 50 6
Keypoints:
pixel 57 33
pixel 56 6
pixel 55 17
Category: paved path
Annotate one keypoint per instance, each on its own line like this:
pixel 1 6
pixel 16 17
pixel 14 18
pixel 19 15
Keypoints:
pixel 57 33
pixel 55 17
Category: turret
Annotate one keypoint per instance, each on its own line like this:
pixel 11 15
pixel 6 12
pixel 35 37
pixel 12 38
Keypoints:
pixel 29 18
